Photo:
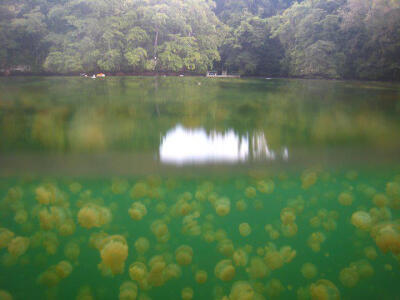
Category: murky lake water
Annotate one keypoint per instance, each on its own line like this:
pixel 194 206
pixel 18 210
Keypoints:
pixel 181 188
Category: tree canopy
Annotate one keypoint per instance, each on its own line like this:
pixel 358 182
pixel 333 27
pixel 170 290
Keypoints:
pixel 357 39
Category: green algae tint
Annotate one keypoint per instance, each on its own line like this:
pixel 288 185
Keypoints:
pixel 195 188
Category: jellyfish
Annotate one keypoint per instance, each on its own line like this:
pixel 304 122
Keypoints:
pixel 241 290
pixel 4 295
pixel 362 220
pixel 324 290
pixel 142 245
pixel 349 277
pixel 308 179
pixel 287 253
pixel 226 247
pixel 184 255
pixel 309 270
pixel 128 291
pixel 137 211
pixel 21 216
pixel 222 206
pixel 241 205
pixel 387 237
pixel 274 260
pixel 274 288
pixel 244 229
pixel 18 246
pixel 363 268
pixel 257 268
pixel 160 230
pixel 288 216
pixel 201 276
pixel 250 192
pixel 72 251
pixel 224 270
pixel 92 215
pixel 157 267
pixel 187 293
pixel 85 293
pixel 63 269
pixel 370 253
pixel 139 190
pixel 43 195
pixel 240 258
pixel 345 199
pixel 6 237
pixel 138 271
pixel 114 252
pixel 172 271
pixel 315 240
pixel 380 200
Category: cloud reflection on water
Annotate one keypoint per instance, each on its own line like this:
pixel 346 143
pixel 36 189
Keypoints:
pixel 181 146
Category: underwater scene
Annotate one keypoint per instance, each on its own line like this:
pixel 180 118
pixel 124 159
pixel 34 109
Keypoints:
pixel 199 188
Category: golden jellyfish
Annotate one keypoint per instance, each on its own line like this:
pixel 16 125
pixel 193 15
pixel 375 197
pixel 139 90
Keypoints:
pixel 241 290
pixel 184 255
pixel 349 277
pixel 226 247
pixel 6 237
pixel 257 268
pixel 244 229
pixel 201 276
pixel 63 269
pixel 370 253
pixel 387 237
pixel 309 270
pixel 224 270
pixel 85 293
pixel 137 211
pixel 49 278
pixel 160 230
pixel 315 240
pixel 187 293
pixel 222 206
pixel 114 253
pixel 138 271
pixel 21 216
pixel 157 269
pixel 308 179
pixel 172 271
pixel 364 268
pixel 72 251
pixel 274 288
pixel 241 205
pixel 324 290
pixel 345 199
pixel 18 246
pixel 250 192
pixel 128 291
pixel 139 190
pixel 287 254
pixel 142 245
pixel 273 233
pixel 288 216
pixel 50 243
pixel 43 195
pixel 362 220
pixel 92 215
pixel 393 189
pixel 75 187
pixel 289 230
pixel 4 295
pixel 380 200
pixel 274 260
pixel 240 258
pixel 266 187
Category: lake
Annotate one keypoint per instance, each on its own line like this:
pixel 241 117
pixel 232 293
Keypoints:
pixel 199 188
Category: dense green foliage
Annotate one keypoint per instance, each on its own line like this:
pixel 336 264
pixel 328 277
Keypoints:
pixel 309 38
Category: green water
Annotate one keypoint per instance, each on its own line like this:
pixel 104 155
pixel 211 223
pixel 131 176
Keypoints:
pixel 292 159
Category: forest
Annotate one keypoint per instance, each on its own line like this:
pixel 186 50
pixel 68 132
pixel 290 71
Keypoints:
pixel 338 39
